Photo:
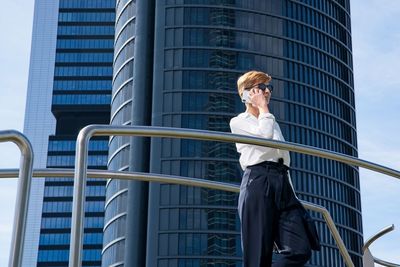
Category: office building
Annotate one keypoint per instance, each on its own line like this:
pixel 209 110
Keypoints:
pixel 174 63
pixel 69 88
pixel 200 49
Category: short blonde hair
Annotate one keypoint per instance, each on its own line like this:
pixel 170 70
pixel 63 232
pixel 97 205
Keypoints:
pixel 249 79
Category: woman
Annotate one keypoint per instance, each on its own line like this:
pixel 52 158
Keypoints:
pixel 269 210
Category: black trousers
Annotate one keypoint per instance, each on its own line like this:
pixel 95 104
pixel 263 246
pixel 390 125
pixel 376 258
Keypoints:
pixel 270 212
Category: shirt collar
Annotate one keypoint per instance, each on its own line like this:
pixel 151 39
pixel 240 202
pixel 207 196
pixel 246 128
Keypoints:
pixel 247 115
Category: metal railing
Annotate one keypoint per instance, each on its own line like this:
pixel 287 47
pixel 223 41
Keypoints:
pixel 23 191
pixel 372 239
pixel 151 177
pixel 107 130
pixel 81 173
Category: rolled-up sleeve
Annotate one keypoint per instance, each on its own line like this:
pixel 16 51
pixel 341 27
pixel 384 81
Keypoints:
pixel 266 123
pixel 264 129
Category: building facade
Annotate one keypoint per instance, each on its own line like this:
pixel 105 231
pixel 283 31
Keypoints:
pixel 121 109
pixel 198 49
pixel 39 121
pixel 71 68
pixel 201 47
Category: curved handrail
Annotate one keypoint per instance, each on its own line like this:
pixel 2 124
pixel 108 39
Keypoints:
pixel 106 130
pixel 124 175
pixel 92 130
pixel 372 239
pixel 155 131
pixel 61 173
pixel 81 172
pixel 23 190
pixel 173 179
pixel 385 263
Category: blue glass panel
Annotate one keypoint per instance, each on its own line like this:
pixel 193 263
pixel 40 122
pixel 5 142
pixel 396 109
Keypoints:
pixel 85 30
pixel 83 71
pixel 87 4
pixel 85 43
pixel 86 16
pixel 82 85
pixel 83 57
pixel 68 160
pixel 81 99
pixel 70 145
pixel 53 255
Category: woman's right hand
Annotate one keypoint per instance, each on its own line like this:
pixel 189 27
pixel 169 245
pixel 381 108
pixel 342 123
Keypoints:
pixel 259 98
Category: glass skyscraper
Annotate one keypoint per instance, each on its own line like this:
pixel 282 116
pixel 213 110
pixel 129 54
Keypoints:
pixel 80 57
pixel 198 50
pixel 201 47
pixel 121 109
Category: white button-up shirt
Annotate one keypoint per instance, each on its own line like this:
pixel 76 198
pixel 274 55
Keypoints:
pixel 265 126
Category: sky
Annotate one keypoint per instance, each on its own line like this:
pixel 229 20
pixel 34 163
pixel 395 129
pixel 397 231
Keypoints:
pixel 15 30
pixel 376 55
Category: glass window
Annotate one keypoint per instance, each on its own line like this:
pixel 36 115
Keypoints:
pixel 83 71
pixel 85 43
pixel 68 160
pixel 81 85
pixel 76 30
pixel 80 99
pixel 87 4
pixel 86 16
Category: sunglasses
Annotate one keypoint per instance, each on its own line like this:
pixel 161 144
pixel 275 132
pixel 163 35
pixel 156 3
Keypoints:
pixel 262 86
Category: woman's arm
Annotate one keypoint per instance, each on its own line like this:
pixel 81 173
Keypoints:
pixel 265 127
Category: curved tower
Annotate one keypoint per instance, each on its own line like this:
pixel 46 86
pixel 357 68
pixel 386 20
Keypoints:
pixel 201 47
pixel 121 105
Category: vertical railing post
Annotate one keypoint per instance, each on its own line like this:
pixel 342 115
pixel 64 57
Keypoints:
pixel 332 228
pixel 23 191
pixel 78 207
